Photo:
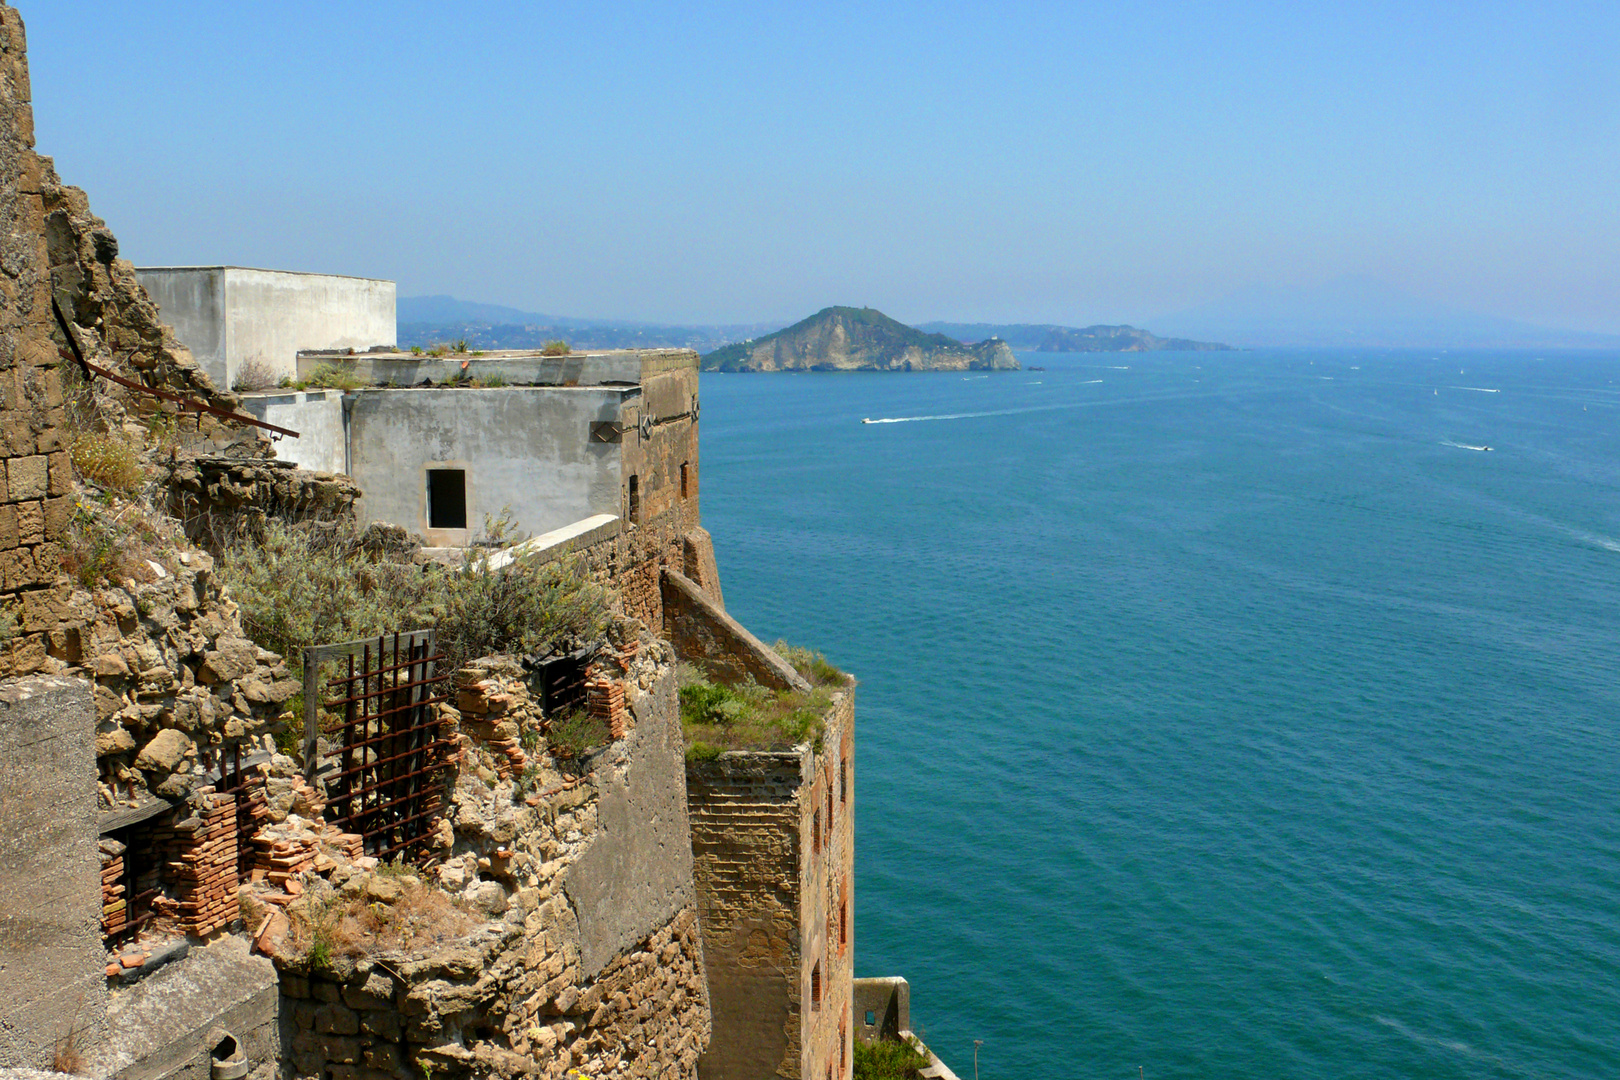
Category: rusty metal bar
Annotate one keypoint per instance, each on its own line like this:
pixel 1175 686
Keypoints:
pixel 378 692
pixel 88 368
pixel 409 663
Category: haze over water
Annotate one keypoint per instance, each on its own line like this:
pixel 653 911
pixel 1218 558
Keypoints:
pixel 1229 716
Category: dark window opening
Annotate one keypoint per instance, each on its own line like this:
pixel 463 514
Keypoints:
pixel 635 500
pixel 843 781
pixel 815 831
pixel 829 813
pixel 871 1018
pixel 843 1047
pixel 815 986
pixel 447 498
pixel 685 481
pixel 843 922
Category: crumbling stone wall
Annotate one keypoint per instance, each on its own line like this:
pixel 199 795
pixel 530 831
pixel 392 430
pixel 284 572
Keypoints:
pixel 773 847
pixel 587 953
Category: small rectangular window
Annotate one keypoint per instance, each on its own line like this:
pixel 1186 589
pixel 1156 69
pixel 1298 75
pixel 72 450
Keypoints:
pixel 686 490
pixel 871 1018
pixel 843 921
pixel 815 831
pixel 447 498
pixel 815 986
pixel 843 781
pixel 829 813
pixel 635 500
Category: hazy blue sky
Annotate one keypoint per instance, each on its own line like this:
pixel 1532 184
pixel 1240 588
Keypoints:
pixel 729 162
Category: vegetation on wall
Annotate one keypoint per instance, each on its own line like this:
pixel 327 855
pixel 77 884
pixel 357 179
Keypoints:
pixel 716 717
pixel 886 1060
pixel 301 586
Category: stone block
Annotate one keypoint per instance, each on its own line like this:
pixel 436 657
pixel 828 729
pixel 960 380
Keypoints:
pixel 325 991
pixel 28 477
pixel 336 1020
pixel 377 992
pixel 60 471
pixel 294 986
pixel 31 523
pixel 382 1025
pixel 8 527
pixel 59 517
pixel 344 1051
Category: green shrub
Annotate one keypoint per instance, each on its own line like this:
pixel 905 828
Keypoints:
pixel 297 587
pixel 716 717
pixel 555 348
pixel 812 665
pixel 885 1060
pixel 332 377
pixel 416 350
pixel 572 735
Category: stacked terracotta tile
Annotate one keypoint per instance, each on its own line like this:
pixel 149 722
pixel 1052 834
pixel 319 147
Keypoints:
pixel 114 903
pixel 604 700
pixel 203 865
pixel 509 757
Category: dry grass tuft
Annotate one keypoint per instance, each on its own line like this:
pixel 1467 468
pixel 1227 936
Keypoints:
pixel 556 348
pixel 423 916
pixel 108 459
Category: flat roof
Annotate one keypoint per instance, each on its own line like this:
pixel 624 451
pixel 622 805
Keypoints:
pixel 261 270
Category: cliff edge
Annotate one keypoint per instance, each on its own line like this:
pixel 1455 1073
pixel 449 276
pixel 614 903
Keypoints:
pixel 859 339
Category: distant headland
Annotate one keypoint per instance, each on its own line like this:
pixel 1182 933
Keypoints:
pixel 1056 339
pixel 859 339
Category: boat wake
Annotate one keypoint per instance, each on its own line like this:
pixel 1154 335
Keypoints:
pixel 1462 446
pixel 1477 389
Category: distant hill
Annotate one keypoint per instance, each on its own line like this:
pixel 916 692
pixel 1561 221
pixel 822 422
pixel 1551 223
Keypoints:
pixel 1358 311
pixel 1048 338
pixel 858 339
pixel 431 320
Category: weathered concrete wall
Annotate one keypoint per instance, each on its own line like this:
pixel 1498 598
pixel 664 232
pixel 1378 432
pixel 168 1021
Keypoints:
pixel 236 315
pixel 773 849
pixel 51 981
pixel 317 416
pixel 192 302
pixel 639 871
pixel 167 1026
pixel 618 367
pixel 528 448
pixel 882 1007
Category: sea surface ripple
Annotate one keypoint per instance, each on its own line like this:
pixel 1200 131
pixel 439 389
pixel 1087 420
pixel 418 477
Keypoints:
pixel 1228 715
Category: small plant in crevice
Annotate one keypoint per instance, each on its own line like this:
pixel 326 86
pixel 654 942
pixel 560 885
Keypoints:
pixel 555 348
pixel 574 733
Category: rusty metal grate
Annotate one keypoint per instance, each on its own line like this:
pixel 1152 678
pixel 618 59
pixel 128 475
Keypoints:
pixel 384 737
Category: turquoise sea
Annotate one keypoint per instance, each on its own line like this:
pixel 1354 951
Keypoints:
pixel 1221 715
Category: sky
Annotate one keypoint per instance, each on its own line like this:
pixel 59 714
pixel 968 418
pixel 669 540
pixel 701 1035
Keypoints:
pixel 739 162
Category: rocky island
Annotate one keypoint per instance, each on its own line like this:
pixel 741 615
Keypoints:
pixel 1048 338
pixel 859 339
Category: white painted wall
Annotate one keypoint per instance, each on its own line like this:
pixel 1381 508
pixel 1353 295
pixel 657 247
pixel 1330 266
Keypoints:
pixel 317 416
pixel 528 448
pixel 230 315
pixel 191 299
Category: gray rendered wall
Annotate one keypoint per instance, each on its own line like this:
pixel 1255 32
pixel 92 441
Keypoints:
pixel 51 957
pixel 317 416
pixel 637 876
pixel 192 301
pixel 271 314
pixel 524 447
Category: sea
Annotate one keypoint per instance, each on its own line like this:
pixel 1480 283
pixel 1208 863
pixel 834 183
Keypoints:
pixel 1248 714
